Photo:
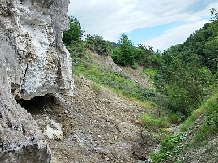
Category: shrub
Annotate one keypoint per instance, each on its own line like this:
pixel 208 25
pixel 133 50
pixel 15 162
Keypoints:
pixel 172 145
pixel 74 33
pixel 97 44
pixel 125 52
pixel 184 83
pixel 152 121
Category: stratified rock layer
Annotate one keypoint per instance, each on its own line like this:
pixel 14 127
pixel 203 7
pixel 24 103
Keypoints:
pixel 33 62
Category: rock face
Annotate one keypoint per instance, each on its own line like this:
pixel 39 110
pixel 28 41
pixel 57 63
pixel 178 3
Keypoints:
pixel 21 141
pixel 31 36
pixel 33 62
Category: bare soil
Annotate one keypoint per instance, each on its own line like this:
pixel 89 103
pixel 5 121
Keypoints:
pixel 98 125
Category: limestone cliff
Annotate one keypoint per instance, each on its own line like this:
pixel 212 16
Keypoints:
pixel 33 62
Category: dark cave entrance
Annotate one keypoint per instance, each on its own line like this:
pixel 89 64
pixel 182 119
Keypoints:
pixel 38 104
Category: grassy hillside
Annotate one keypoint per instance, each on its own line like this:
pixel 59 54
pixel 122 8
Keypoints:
pixel 197 138
pixel 184 93
pixel 188 78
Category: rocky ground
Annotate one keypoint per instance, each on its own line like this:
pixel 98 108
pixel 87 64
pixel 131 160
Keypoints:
pixel 96 125
pixel 99 126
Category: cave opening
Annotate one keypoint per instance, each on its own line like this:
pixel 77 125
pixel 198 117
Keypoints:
pixel 38 104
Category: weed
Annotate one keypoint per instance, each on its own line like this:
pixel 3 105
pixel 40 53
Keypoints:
pixel 96 88
pixel 172 145
pixel 150 120
pixel 150 72
pixel 191 119
pixel 148 105
pixel 210 124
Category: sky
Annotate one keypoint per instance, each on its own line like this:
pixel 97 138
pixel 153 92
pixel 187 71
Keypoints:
pixel 156 23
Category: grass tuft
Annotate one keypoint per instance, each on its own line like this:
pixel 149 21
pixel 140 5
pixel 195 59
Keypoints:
pixel 150 120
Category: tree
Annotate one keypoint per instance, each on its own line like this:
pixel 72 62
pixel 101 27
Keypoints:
pixel 98 44
pixel 125 52
pixel 147 57
pixel 214 14
pixel 74 33
pixel 204 43
pixel 183 79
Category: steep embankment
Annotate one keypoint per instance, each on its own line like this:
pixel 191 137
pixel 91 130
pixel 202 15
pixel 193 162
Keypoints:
pixel 201 143
pixel 135 75
pixel 197 139
pixel 98 125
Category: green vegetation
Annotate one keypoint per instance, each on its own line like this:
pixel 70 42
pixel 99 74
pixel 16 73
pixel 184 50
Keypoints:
pixel 203 43
pixel 74 33
pixel 151 121
pixel 151 72
pixel 176 144
pixel 185 78
pixel 188 70
pixel 172 145
pixel 96 88
pixel 126 54
pixel 114 80
pixel 191 119
pixel 210 124
pixel 97 44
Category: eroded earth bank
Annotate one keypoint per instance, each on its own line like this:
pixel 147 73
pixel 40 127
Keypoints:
pixel 40 121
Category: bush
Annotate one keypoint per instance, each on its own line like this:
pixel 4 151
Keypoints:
pixel 97 44
pixel 125 52
pixel 172 145
pixel 150 72
pixel 152 121
pixel 74 33
pixel 185 83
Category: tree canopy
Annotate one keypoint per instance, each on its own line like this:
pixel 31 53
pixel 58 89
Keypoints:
pixel 98 44
pixel 74 33
pixel 188 70
pixel 126 54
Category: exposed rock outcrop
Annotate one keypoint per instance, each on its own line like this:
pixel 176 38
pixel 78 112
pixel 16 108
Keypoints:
pixel 31 36
pixel 33 62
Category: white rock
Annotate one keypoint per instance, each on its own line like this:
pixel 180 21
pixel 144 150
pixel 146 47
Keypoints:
pixel 33 62
pixel 53 133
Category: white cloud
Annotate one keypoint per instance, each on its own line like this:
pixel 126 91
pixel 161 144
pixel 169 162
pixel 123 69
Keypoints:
pixel 112 18
pixel 174 35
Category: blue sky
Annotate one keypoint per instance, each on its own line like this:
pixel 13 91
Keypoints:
pixel 156 23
